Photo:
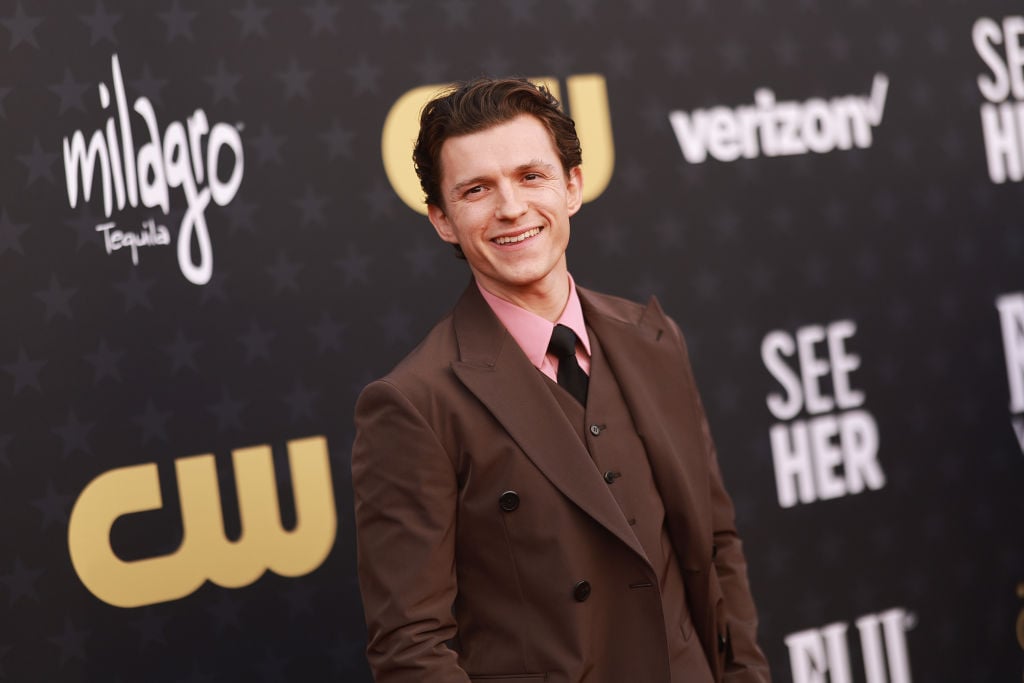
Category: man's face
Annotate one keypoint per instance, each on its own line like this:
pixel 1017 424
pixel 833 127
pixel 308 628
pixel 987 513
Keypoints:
pixel 507 203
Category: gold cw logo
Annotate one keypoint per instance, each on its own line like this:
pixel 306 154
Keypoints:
pixel 205 553
pixel 588 102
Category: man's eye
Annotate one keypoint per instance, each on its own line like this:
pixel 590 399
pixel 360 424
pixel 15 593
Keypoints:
pixel 532 176
pixel 476 189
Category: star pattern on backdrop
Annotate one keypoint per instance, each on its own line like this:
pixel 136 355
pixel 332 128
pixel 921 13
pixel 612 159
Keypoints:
pixel 21 582
pixel 53 507
pixel 39 163
pixel 311 207
pixel 391 14
pixel 178 22
pixel 135 290
pixel 381 200
pixel 70 93
pixel 101 24
pixel 223 83
pixel 338 141
pixel 355 266
pixel 21 27
pixel 56 299
pixel 228 411
pixel 70 642
pixel 252 19
pixel 285 273
pixel 256 342
pixel 25 372
pixel 328 333
pixel 104 362
pixel 364 75
pixel 82 221
pixel 152 423
pixel 74 435
pixel 241 215
pixel 295 81
pixel 268 146
pixel 182 352
pixel 323 16
pixel 148 85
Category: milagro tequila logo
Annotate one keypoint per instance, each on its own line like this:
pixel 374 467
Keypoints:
pixel 180 158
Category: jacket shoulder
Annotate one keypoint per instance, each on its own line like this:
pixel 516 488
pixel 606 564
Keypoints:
pixel 624 309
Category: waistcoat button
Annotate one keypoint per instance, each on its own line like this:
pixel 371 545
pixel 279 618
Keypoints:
pixel 509 501
pixel 581 591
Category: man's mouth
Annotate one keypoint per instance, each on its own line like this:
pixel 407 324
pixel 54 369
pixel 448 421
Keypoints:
pixel 514 239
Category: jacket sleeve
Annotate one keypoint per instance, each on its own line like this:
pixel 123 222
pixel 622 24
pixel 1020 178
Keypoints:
pixel 744 660
pixel 744 663
pixel 405 492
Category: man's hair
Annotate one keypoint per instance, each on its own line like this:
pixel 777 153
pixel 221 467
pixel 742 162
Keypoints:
pixel 481 103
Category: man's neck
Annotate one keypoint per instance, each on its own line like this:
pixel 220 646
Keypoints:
pixel 544 299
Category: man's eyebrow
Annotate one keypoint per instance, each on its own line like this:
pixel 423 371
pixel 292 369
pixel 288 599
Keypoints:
pixel 535 164
pixel 476 180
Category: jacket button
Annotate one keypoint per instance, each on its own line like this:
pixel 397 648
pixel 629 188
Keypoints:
pixel 509 501
pixel 610 477
pixel 581 591
pixel 721 643
pixel 595 430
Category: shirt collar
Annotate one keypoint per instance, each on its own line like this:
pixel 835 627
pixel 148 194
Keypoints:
pixel 531 331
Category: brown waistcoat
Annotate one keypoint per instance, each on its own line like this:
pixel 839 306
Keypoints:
pixel 606 429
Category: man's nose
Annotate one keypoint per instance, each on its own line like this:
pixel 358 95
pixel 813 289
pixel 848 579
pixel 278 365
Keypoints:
pixel 510 202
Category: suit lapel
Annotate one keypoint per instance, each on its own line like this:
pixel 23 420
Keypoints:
pixel 495 370
pixel 658 388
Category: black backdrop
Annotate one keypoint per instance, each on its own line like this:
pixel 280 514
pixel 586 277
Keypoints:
pixel 322 278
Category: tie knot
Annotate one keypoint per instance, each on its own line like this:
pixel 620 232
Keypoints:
pixel 563 342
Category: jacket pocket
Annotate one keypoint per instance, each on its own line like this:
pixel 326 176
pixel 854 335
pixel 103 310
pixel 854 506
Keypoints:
pixel 686 627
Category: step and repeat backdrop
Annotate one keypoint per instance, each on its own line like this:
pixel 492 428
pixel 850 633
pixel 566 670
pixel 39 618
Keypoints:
pixel 211 238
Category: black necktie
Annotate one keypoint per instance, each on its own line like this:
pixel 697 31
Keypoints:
pixel 570 374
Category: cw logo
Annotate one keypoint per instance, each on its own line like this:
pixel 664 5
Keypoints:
pixel 588 101
pixel 205 553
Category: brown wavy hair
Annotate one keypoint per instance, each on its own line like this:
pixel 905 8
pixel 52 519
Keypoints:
pixel 478 104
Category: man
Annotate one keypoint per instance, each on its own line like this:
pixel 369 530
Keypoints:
pixel 535 513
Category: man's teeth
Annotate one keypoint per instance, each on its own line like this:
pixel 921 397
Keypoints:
pixel 518 238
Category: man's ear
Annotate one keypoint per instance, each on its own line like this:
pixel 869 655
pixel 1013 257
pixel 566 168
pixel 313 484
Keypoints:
pixel 574 190
pixel 439 219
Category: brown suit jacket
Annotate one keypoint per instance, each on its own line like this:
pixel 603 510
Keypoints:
pixel 458 587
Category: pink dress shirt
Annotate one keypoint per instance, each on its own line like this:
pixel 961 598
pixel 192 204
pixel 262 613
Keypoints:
pixel 533 333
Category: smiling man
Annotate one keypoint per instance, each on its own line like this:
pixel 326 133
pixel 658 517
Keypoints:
pixel 537 494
